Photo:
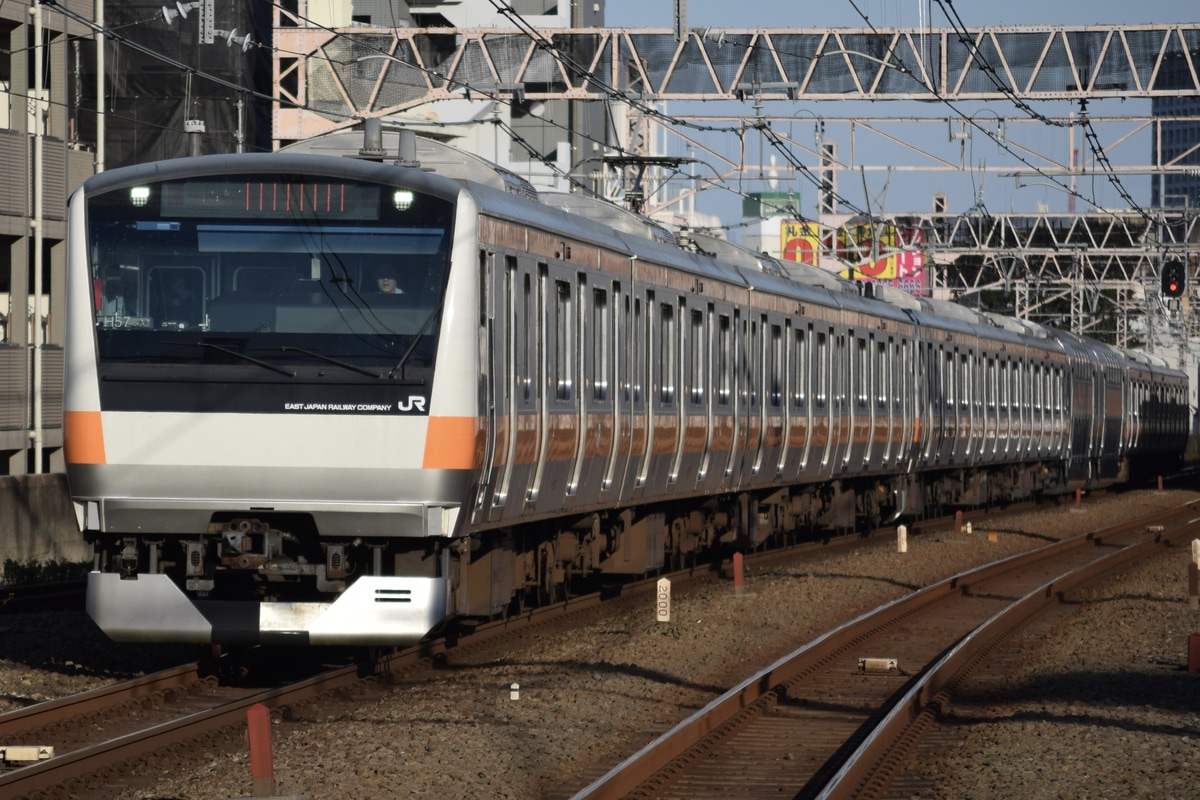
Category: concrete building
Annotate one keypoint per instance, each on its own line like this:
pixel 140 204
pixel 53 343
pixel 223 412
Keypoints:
pixel 42 159
pixel 1177 141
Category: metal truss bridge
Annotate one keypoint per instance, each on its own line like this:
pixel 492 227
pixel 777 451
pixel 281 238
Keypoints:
pixel 330 79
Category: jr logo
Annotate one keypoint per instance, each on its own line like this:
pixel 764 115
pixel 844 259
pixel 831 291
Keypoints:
pixel 414 403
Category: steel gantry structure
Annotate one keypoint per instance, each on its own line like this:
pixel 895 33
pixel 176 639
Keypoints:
pixel 329 79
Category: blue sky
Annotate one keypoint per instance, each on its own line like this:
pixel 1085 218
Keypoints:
pixel 908 191
pixel 899 13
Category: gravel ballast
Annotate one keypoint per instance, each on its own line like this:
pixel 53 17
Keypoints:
pixel 589 698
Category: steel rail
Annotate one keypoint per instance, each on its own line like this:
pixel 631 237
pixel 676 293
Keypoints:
pixel 645 770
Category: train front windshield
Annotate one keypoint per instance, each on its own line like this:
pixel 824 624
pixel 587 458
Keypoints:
pixel 268 268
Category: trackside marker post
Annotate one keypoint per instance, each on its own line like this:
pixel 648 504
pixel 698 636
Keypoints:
pixel 662 602
pixel 901 538
pixel 262 767
pixel 1194 576
pixel 739 580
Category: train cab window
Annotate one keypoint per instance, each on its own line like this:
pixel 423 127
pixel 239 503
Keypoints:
pixel 177 296
pixel 276 266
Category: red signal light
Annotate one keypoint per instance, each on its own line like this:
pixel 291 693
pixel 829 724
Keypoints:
pixel 1174 279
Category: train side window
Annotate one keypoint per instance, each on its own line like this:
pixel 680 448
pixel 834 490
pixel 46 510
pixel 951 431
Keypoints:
pixel 754 358
pixel 822 397
pixel 775 367
pixel 600 336
pixel 862 372
pixel 697 345
pixel 564 341
pixel 668 347
pixel 964 376
pixel 845 385
pixel 989 384
pixel 529 332
pixel 724 357
pixel 948 377
pixel 883 373
pixel 800 358
pixel 639 366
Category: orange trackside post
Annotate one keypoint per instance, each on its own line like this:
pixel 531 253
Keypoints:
pixel 262 768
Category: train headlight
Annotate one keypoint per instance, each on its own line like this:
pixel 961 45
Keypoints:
pixel 402 199
pixel 139 195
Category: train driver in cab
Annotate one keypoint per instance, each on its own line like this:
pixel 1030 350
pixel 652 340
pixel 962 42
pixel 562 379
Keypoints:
pixel 386 279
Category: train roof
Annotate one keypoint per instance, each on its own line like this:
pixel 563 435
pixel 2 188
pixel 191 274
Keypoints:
pixel 444 170
pixel 396 148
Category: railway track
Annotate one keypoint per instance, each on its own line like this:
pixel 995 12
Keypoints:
pixel 839 716
pixel 104 736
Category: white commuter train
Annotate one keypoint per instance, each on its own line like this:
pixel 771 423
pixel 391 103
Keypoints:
pixel 263 449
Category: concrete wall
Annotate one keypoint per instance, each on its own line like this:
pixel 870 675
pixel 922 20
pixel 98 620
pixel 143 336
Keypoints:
pixel 37 521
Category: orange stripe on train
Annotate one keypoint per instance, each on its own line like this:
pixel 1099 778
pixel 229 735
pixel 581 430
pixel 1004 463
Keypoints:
pixel 83 437
pixel 450 443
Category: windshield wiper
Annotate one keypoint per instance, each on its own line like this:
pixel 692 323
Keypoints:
pixel 236 354
pixel 416 340
pixel 331 360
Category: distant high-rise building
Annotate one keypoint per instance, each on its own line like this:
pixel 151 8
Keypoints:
pixel 1174 138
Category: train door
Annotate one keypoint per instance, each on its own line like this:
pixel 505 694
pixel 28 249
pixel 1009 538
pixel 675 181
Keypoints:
pixel 948 406
pixel 803 393
pixel 975 363
pixel 695 404
pixel 541 371
pixel 1024 408
pixel 887 359
pixel 633 400
pixel 668 413
pixel 768 377
pixel 991 392
pixel 862 405
pixel 726 399
pixel 706 384
pixel 496 363
pixel 752 377
pixel 644 321
pixel 615 374
pixel 518 400
pixel 785 377
pixel 676 338
pixel 823 394
pixel 737 395
pixel 593 421
pixel 904 404
pixel 843 392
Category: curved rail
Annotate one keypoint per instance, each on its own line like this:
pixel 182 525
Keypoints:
pixel 821 763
